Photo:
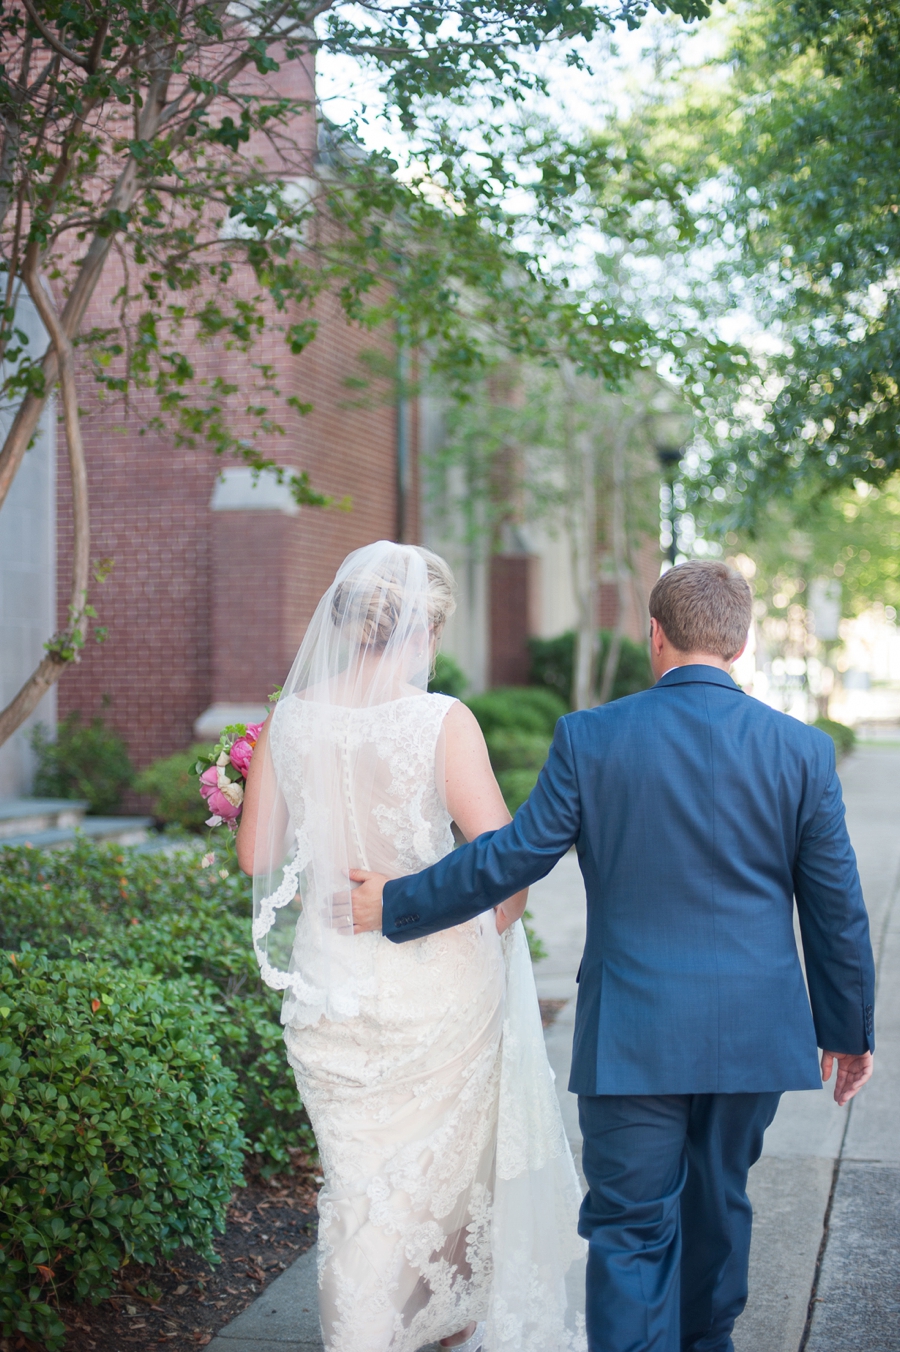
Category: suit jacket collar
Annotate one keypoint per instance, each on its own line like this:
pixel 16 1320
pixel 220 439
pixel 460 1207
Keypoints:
pixel 698 674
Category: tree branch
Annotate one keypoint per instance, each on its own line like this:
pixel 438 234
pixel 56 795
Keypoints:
pixel 51 667
pixel 45 675
pixel 54 42
pixel 24 424
pixel 65 354
pixel 122 197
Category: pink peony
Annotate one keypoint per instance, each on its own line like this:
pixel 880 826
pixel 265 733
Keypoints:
pixel 212 791
pixel 242 750
pixel 241 755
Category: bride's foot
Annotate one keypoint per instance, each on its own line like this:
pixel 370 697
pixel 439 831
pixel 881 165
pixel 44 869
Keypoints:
pixel 468 1339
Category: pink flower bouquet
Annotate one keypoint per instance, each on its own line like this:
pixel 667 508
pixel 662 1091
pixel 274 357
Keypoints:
pixel 223 773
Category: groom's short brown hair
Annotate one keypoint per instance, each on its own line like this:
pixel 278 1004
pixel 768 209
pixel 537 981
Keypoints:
pixel 703 606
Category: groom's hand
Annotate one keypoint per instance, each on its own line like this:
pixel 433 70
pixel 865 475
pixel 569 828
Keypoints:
pixel 366 900
pixel 852 1073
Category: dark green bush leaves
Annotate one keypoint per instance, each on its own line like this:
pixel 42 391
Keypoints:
pixel 86 761
pixel 518 708
pixel 119 1136
pixel 173 785
pixel 168 915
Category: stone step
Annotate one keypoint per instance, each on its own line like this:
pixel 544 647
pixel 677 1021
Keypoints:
pixel 28 816
pixel 112 830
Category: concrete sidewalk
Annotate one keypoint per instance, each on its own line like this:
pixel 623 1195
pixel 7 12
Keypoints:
pixel 826 1192
pixel 856 1305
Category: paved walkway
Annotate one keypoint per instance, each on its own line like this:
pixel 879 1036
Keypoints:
pixel 826 1193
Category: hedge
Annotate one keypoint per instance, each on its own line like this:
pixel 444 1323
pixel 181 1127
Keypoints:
pixel 119 1133
pixel 84 760
pixel 171 785
pixel 844 738
pixel 168 916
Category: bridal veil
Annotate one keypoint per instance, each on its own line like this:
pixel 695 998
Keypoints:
pixel 369 644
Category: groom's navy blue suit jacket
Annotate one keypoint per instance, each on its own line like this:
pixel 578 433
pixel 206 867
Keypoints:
pixel 699 814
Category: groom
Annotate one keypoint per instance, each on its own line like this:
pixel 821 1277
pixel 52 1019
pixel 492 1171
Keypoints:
pixel 699 815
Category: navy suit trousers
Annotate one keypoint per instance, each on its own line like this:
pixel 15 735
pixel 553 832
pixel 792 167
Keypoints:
pixel 667 1217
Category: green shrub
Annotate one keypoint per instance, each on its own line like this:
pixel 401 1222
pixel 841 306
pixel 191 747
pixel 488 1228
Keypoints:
pixel 519 708
pixel 173 785
pixel 844 738
pixel 514 751
pixel 87 761
pixel 448 678
pixel 168 916
pixel 553 665
pixel 120 1138
pixel 518 723
pixel 536 950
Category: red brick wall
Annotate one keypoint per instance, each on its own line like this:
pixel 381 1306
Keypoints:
pixel 512 598
pixel 647 559
pixel 204 606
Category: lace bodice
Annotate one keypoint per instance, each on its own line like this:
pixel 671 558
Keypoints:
pixel 360 790
pixel 387 755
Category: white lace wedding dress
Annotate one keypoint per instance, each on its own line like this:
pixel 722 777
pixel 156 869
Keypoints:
pixel 450 1194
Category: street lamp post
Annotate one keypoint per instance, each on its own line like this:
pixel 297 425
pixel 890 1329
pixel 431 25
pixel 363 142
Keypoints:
pixel 669 458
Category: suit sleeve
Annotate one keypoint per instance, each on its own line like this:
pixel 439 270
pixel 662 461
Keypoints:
pixel 497 864
pixel 834 926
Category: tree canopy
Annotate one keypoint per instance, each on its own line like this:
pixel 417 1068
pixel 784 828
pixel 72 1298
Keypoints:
pixel 173 147
pixel 802 139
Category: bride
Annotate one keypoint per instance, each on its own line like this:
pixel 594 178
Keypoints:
pixel 450 1198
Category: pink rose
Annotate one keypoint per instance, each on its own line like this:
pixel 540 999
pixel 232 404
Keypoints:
pixel 218 803
pixel 241 755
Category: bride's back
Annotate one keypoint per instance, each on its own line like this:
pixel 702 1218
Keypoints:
pixel 350 771
pixel 369 776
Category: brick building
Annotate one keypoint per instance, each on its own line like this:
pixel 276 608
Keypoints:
pixel 215 577
pixel 216 574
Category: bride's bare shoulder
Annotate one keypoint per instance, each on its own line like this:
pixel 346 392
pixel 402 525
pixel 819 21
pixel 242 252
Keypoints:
pixel 460 724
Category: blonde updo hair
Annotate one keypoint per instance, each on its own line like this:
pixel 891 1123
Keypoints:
pixel 369 604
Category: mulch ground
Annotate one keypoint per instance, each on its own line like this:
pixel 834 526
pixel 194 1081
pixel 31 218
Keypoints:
pixel 549 1010
pixel 185 1301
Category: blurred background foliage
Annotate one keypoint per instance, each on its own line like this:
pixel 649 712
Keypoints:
pixel 87 761
pixel 553 659
pixel 172 787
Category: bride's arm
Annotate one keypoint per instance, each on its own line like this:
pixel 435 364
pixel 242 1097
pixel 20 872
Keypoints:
pixel 253 799
pixel 472 793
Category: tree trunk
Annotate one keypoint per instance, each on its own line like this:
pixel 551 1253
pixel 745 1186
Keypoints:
pixel 584 538
pixel 620 563
pixel 121 199
pixel 58 365
pixel 64 647
pixel 581 494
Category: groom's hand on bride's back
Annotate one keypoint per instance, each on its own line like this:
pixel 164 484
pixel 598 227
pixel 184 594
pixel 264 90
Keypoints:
pixel 366 900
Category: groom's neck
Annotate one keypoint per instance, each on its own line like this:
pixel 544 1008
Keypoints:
pixel 664 656
pixel 670 658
